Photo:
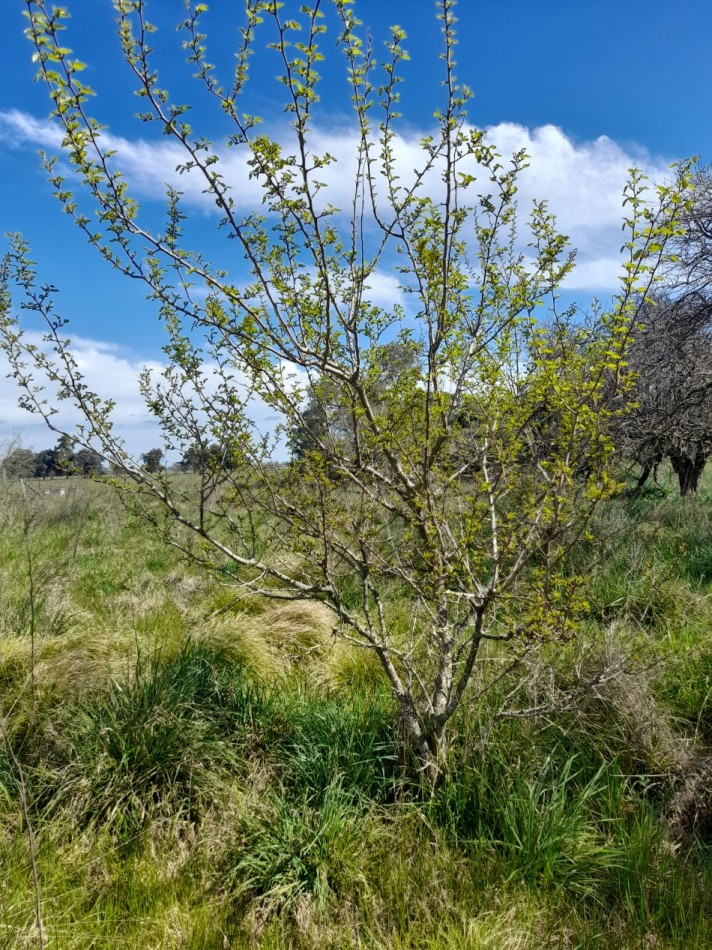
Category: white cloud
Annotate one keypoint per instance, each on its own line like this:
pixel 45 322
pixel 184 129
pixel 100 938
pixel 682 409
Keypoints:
pixel 583 184
pixel 147 166
pixel 109 370
pixel 112 372
pixel 19 128
pixel 582 181
pixel 384 290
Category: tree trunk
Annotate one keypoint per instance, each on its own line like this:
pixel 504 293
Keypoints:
pixel 433 757
pixel 640 484
pixel 429 742
pixel 688 469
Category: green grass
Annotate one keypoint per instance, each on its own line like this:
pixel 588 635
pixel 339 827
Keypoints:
pixel 204 770
pixel 154 746
pixel 350 740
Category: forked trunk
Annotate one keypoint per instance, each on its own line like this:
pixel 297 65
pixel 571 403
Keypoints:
pixel 429 742
pixel 688 469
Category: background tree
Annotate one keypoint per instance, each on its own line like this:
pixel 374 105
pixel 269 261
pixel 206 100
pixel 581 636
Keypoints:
pixel 672 356
pixel 325 421
pixel 46 464
pixel 690 273
pixel 64 453
pixel 672 399
pixel 19 463
pixel 423 520
pixel 152 460
pixel 87 462
pixel 206 458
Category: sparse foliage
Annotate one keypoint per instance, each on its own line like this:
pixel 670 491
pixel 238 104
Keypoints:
pixel 431 490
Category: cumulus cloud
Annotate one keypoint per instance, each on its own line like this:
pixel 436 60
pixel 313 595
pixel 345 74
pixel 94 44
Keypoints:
pixel 112 372
pixel 582 181
pixel 583 184
pixel 384 290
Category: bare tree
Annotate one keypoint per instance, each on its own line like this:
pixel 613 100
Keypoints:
pixel 671 414
pixel 690 273
pixel 437 526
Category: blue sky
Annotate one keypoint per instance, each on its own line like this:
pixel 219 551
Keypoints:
pixel 589 88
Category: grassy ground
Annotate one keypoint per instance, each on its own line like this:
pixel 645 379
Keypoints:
pixel 188 769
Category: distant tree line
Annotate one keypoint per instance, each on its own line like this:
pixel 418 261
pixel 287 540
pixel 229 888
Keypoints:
pixel 59 461
pixel 198 457
pixel 207 457
pixel 63 461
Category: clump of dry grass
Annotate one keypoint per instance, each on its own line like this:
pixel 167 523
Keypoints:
pixel 294 638
pixel 273 643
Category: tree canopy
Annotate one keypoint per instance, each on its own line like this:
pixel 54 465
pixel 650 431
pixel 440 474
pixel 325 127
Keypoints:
pixel 21 462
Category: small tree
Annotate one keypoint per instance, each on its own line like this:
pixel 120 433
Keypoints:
pixel 46 463
pixel 429 520
pixel 64 453
pixel 87 462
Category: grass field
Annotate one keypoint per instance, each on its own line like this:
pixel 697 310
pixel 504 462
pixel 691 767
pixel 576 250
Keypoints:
pixel 181 767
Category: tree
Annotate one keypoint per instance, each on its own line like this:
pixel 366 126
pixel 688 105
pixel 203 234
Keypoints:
pixel 87 462
pixel 423 518
pixel 672 356
pixel 206 459
pixel 19 463
pixel 46 463
pixel 671 414
pixel 64 454
pixel 326 419
pixel 690 273
pixel 152 460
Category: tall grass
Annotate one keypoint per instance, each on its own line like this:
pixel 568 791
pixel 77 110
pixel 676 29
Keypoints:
pixel 291 848
pixel 204 771
pixel 158 744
